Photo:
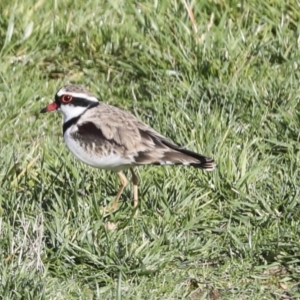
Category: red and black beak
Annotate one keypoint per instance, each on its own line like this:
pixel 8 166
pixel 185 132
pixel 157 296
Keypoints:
pixel 51 107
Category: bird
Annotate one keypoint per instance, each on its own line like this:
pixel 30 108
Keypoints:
pixel 107 137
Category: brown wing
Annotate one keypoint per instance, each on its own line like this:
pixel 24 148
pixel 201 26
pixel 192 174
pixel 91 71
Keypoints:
pixel 121 130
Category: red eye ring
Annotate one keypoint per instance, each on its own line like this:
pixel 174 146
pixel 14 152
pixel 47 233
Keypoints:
pixel 66 98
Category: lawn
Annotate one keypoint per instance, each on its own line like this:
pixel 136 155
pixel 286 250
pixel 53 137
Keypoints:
pixel 219 77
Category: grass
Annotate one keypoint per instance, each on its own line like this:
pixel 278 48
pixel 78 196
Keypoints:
pixel 221 77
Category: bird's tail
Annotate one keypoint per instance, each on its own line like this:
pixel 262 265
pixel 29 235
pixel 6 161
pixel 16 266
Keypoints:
pixel 168 153
pixel 187 158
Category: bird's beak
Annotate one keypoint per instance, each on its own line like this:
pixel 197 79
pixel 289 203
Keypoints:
pixel 50 107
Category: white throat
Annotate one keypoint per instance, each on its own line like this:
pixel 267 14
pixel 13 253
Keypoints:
pixel 70 111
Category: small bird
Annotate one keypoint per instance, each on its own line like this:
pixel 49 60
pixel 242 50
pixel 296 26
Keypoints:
pixel 107 137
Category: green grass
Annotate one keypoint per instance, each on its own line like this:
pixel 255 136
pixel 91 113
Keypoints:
pixel 224 83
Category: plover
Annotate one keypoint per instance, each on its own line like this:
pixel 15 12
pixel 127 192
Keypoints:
pixel 107 137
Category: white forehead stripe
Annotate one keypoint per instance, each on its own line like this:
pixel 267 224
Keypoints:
pixel 77 95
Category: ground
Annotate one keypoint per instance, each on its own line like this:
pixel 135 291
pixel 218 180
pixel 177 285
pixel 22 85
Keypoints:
pixel 219 77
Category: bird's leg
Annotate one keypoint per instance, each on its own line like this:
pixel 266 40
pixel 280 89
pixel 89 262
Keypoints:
pixel 135 188
pixel 122 186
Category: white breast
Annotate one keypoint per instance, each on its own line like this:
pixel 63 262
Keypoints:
pixel 112 161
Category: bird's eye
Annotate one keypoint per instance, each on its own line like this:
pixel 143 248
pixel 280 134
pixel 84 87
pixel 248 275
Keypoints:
pixel 66 98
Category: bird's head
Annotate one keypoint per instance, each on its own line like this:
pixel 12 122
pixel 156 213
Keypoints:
pixel 72 101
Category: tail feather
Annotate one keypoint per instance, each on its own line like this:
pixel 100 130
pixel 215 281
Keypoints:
pixel 168 153
pixel 187 158
pixel 201 162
